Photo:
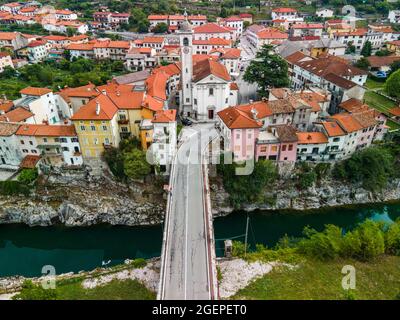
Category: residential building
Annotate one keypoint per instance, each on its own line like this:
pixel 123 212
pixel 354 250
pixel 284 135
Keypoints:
pixel 38 51
pixel 311 146
pixel 13 40
pixel 324 13
pixel 394 16
pixel 306 29
pixel 57 145
pixel 10 155
pixel 41 102
pixel 5 61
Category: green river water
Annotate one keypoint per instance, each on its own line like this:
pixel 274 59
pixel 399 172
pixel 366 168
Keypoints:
pixel 25 250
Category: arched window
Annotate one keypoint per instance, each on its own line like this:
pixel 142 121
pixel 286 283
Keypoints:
pixel 185 41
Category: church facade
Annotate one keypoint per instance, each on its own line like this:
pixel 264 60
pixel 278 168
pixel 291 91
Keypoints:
pixel 206 86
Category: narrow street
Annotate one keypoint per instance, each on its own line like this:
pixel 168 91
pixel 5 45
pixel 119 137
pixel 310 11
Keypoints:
pixel 247 91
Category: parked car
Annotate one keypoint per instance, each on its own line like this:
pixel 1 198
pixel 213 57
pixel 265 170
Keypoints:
pixel 186 122
pixel 381 74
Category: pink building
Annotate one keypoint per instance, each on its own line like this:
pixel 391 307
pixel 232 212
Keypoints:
pixel 278 143
pixel 240 131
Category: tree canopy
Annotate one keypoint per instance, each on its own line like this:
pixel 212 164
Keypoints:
pixel 392 85
pixel 268 70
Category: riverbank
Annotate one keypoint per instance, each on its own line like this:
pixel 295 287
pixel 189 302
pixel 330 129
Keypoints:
pixel 321 280
pixel 287 196
pixel 135 279
pixel 85 201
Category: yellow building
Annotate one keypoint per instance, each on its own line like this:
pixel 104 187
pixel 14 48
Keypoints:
pixel 394 46
pixel 96 124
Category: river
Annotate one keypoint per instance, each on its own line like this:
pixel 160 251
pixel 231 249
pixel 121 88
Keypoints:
pixel 25 250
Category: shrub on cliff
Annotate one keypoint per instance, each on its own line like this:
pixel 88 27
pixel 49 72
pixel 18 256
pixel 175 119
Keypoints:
pixel 27 176
pixel 372 167
pixel 247 188
pixel 31 291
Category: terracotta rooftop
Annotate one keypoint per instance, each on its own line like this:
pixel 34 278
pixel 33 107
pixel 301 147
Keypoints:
pixel 234 118
pixel 35 91
pixel 207 67
pixel 107 109
pixel 332 128
pixel 285 132
pixel 44 130
pixel 311 138
pixel 8 129
pixel 395 111
pixel 210 28
pixel 16 115
pixel 164 116
pixel 29 162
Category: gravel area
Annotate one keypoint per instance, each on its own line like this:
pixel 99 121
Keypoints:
pixel 148 276
pixel 237 274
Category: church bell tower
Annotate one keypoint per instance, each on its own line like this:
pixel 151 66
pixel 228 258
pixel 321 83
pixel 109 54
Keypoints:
pixel 186 38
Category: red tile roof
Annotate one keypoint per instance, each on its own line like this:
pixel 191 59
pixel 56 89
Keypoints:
pixel 234 118
pixel 164 116
pixel 284 10
pixel 88 112
pixel 332 128
pixel 44 130
pixel 29 162
pixel 35 91
pixel 312 138
pixel 395 111
pixel 210 28
pixel 16 115
pixel 207 67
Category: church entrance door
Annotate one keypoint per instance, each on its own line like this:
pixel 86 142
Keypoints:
pixel 211 114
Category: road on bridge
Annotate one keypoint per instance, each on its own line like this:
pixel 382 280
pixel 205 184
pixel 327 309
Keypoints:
pixel 187 262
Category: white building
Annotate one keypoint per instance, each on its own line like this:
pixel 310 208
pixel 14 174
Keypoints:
pixel 394 16
pixel 10 156
pixel 205 85
pixel 211 30
pixel 5 61
pixel 41 102
pixel 57 145
pixel 234 22
pixel 164 138
pixel 38 51
pixel 324 13
pixel 66 15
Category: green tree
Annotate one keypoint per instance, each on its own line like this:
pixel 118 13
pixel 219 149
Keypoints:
pixel 136 165
pixel 247 188
pixel 31 291
pixel 28 175
pixel 363 63
pixel 71 32
pixel 160 28
pixel 395 66
pixel 268 70
pixel 366 49
pixel 392 85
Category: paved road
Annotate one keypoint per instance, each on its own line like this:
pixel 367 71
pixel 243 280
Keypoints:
pixel 185 270
pixel 246 91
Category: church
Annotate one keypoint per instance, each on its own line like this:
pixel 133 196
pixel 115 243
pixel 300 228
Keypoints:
pixel 206 86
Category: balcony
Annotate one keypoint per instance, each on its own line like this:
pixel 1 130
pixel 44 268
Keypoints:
pixel 123 121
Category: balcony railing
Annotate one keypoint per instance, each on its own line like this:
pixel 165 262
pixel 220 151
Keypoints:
pixel 123 121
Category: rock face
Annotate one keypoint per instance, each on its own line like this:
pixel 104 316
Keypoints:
pixel 83 204
pixel 329 194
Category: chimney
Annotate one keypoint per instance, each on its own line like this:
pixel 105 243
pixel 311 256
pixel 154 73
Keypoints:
pixel 7 119
pixel 4 97
pixel 118 93
pixel 254 112
pixel 104 92
pixel 97 108
pixel 251 101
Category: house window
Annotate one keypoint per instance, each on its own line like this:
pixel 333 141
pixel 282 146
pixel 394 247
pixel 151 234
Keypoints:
pixel 290 147
pixel 274 148
pixel 263 149
pixel 284 147
pixel 93 128
pixel 211 91
pixel 83 128
pixel 22 142
pixel 104 128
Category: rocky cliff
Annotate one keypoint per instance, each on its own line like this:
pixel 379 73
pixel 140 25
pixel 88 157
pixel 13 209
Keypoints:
pixel 282 196
pixel 85 202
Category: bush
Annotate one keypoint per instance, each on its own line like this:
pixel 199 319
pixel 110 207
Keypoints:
pixel 139 263
pixel 27 176
pixel 372 167
pixel 392 238
pixel 31 291
pixel 322 245
pixel 247 188
pixel 11 187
